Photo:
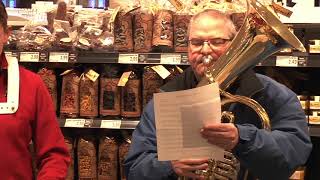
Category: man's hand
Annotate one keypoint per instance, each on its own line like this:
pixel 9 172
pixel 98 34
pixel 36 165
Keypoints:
pixel 224 135
pixel 189 166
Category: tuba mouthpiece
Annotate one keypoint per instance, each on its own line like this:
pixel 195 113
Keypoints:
pixel 207 60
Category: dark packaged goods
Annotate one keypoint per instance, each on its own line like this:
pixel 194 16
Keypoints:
pixel 49 78
pixel 109 91
pixel 87 167
pixel 88 97
pixel 70 95
pixel 143 24
pixel 123 40
pixel 69 143
pixel 34 38
pixel 131 97
pixel 181 23
pixel 151 84
pixel 61 11
pixel 163 29
pixel 174 71
pixel 108 159
pixel 123 151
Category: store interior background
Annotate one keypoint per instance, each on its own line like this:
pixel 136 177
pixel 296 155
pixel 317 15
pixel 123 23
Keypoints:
pixel 302 80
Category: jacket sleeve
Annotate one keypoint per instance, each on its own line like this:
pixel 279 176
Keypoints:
pixel 277 153
pixel 142 159
pixel 51 152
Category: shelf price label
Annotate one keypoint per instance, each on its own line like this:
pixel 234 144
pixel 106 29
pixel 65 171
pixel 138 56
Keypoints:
pixel 170 59
pixel 29 56
pixel 59 57
pixel 79 123
pixel 128 58
pixel 111 124
pixel 287 61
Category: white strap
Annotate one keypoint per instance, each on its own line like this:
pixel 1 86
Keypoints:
pixel 12 104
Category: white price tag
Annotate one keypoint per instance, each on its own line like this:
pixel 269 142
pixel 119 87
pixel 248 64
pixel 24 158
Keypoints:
pixel 29 56
pixel 8 54
pixel 170 59
pixel 111 124
pixel 75 123
pixel 162 71
pixel 287 61
pixel 59 57
pixel 128 58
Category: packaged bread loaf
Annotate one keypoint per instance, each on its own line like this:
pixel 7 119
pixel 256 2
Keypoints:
pixel 87 159
pixel 69 142
pixel 88 96
pixel 163 30
pixel 123 39
pixel 151 83
pixel 131 95
pixel 49 78
pixel 109 91
pixel 108 159
pixel 143 24
pixel 123 151
pixel 70 95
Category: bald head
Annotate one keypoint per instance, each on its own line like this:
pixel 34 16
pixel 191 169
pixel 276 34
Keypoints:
pixel 209 16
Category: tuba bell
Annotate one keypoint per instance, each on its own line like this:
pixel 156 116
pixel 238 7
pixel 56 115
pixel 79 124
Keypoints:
pixel 261 35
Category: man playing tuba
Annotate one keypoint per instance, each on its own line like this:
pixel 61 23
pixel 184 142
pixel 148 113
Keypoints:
pixel 270 155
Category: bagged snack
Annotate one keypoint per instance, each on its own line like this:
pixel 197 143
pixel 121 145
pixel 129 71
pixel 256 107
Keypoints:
pixel 34 38
pixel 123 39
pixel 143 24
pixel 108 159
pixel 109 91
pixel 88 97
pixel 174 71
pixel 163 30
pixel 87 159
pixel 123 151
pixel 151 83
pixel 181 23
pixel 49 78
pixel 12 41
pixel 69 143
pixel 89 23
pixel 131 96
pixel 70 95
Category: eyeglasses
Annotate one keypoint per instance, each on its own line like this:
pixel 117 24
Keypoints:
pixel 216 42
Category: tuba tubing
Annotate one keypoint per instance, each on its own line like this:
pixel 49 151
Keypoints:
pixel 261 35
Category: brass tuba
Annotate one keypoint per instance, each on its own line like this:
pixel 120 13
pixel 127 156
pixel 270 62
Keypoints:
pixel 261 35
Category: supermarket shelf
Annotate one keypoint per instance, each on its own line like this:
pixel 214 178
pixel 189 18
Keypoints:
pixel 97 123
pixel 314 130
pixel 280 60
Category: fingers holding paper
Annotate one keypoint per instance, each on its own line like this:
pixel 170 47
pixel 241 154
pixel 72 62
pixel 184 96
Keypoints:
pixel 188 167
pixel 224 135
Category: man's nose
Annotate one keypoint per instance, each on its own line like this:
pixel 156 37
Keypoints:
pixel 206 49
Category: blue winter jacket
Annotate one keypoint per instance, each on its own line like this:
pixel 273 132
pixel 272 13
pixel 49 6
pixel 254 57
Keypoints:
pixel 267 155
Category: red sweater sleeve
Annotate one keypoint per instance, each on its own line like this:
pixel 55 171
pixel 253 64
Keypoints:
pixel 53 158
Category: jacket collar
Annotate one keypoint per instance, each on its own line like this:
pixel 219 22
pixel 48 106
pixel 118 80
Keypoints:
pixel 248 84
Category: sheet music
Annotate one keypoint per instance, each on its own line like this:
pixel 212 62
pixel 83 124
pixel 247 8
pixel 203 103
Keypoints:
pixel 179 117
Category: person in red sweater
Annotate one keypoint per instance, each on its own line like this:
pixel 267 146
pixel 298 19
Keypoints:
pixel 34 120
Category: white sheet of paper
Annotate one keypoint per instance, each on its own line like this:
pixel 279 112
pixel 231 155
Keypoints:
pixel 179 117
